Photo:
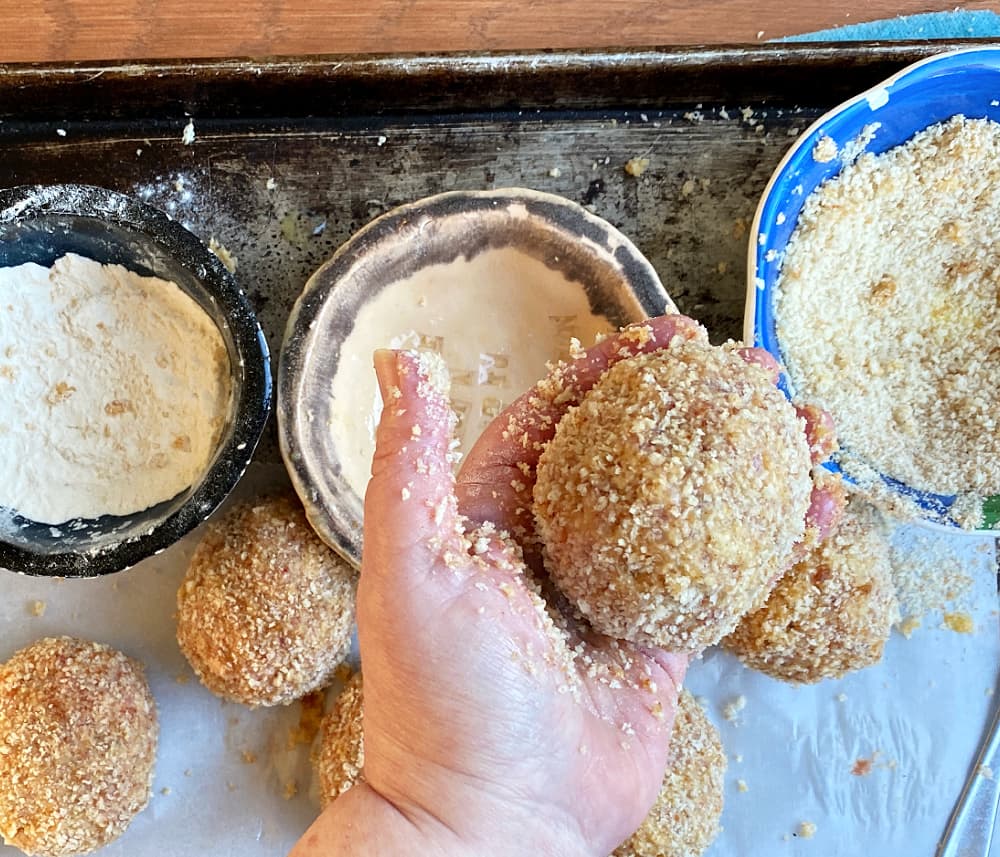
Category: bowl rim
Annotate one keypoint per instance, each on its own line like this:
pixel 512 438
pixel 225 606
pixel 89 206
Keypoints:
pixel 648 290
pixel 757 291
pixel 250 410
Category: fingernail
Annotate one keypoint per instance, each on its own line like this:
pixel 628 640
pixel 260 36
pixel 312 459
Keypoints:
pixel 387 373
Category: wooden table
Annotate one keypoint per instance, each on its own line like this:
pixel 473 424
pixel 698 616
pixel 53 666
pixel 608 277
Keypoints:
pixel 52 30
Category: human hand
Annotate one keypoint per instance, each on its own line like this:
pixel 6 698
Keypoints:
pixel 488 728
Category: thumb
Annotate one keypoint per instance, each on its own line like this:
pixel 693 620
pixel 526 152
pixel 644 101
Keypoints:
pixel 411 517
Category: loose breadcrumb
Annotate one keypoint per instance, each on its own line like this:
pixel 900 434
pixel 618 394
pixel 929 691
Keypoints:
pixel 831 613
pixel 669 496
pixel 684 821
pixel 265 611
pixel 636 166
pixel 807 830
pixel 887 310
pixel 731 710
pixel 742 786
pixel 78 733
pixel 930 574
pixel 220 250
pixel 960 623
pixel 37 608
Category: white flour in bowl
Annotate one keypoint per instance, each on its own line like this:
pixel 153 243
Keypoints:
pixel 114 389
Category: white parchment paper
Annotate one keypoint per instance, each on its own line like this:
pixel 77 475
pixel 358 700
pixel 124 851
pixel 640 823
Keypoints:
pixel 225 774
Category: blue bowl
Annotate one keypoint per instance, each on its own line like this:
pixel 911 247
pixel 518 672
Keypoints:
pixel 923 94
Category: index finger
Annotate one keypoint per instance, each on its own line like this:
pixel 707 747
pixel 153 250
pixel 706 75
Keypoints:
pixel 496 479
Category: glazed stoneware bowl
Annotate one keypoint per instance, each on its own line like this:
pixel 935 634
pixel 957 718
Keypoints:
pixel 443 239
pixel 42 223
pixel 887 115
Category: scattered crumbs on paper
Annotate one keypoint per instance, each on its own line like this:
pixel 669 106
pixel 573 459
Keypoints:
pixel 187 137
pixel 732 709
pixel 929 574
pixel 187 772
pixel 786 838
pixel 61 132
pixel 908 625
pixel 291 789
pixel 555 172
pixel 863 766
pixel 270 184
pixel 231 786
pixel 985 771
pixel 636 166
pixel 220 250
pixel 310 717
pixel 138 153
pixel 182 678
pixel 742 786
pixel 807 830
pixel 165 791
pixel 37 608
pixel 841 697
pixel 382 140
pixel 249 757
pixel 738 758
pixel 960 623
pixel 760 35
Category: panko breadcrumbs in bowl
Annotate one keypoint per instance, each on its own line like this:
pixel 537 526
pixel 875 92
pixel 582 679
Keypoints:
pixel 78 734
pixel 831 613
pixel 266 610
pixel 684 820
pixel 668 499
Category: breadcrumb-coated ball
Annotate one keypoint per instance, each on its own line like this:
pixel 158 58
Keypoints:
pixel 266 609
pixel 684 821
pixel 671 497
pixel 340 755
pixel 831 613
pixel 78 731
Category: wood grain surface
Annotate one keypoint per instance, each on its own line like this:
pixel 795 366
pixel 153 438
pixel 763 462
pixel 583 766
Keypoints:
pixel 53 30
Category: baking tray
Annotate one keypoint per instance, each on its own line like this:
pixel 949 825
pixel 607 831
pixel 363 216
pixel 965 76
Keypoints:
pixel 290 157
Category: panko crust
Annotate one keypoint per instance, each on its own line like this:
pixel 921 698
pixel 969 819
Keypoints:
pixel 831 613
pixel 78 734
pixel 669 499
pixel 266 610
pixel 684 820
pixel 340 755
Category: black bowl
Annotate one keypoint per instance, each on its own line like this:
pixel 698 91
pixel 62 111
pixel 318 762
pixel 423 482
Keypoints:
pixel 42 223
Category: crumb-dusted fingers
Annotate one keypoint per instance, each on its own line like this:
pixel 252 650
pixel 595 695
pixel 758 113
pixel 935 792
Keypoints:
pixel 482 714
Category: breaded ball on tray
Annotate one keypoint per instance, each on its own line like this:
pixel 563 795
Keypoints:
pixel 266 610
pixel 78 732
pixel 684 821
pixel 340 754
pixel 831 613
pixel 669 500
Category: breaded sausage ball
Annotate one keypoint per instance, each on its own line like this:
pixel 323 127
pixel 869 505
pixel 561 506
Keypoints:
pixel 684 821
pixel 831 613
pixel 265 612
pixel 78 731
pixel 340 754
pixel 669 501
